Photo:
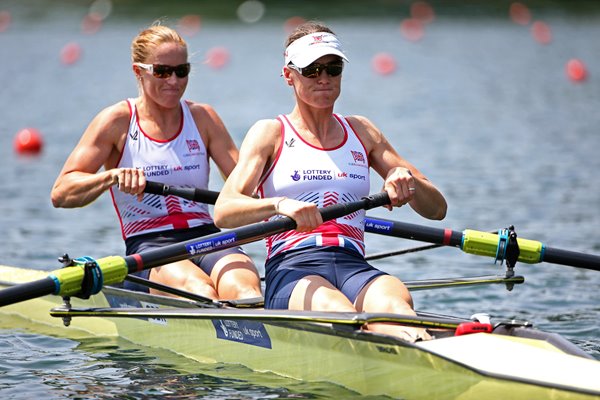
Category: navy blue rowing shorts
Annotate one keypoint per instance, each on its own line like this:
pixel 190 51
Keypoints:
pixel 345 269
pixel 206 262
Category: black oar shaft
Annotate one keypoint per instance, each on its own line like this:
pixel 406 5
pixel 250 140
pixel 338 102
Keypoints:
pixel 422 233
pixel 572 258
pixel 26 291
pixel 449 237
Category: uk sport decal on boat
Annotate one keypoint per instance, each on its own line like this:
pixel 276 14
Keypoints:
pixel 248 332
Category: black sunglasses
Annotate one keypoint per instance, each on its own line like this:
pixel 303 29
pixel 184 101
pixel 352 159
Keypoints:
pixel 164 71
pixel 314 70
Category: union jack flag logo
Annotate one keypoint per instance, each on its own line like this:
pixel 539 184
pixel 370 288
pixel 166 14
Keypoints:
pixel 317 38
pixel 358 156
pixel 192 145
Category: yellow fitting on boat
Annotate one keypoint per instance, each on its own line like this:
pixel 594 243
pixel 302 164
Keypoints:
pixel 486 244
pixel 114 270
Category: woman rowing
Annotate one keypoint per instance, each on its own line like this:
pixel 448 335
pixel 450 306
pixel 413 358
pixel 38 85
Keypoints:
pixel 161 136
pixel 312 158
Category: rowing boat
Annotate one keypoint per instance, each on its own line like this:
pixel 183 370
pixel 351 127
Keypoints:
pixel 515 359
pixel 468 358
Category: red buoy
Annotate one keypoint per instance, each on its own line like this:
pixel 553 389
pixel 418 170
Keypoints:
pixel 384 63
pixel 189 25
pixel 5 20
pixel 291 23
pixel 576 70
pixel 70 54
pixel 541 32
pixel 422 11
pixel 28 141
pixel 519 13
pixel 217 57
pixel 412 29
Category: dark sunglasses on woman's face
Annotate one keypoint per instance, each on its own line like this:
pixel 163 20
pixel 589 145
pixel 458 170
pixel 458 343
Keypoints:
pixel 314 70
pixel 165 71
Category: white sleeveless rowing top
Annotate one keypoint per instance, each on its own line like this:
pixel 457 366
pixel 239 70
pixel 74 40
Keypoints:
pixel 304 172
pixel 179 161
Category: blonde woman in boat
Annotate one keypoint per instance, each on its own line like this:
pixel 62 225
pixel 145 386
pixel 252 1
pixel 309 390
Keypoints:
pixel 161 137
pixel 310 158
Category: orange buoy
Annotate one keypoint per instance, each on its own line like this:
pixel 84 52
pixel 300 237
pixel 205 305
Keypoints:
pixel 576 70
pixel 70 54
pixel 217 57
pixel 28 141
pixel 383 63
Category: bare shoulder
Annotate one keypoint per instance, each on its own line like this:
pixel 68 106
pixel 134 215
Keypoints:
pixel 201 110
pixel 365 129
pixel 113 118
pixel 265 130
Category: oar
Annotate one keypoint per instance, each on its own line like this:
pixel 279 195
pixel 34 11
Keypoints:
pixel 76 279
pixel 194 194
pixel 482 243
pixel 470 241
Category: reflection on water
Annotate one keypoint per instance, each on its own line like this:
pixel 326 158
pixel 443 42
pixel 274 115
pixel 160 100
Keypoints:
pixel 485 110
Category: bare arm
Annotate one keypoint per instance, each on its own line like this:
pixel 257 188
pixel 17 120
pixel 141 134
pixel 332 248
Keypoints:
pixel 236 206
pixel 219 143
pixel 79 182
pixel 400 175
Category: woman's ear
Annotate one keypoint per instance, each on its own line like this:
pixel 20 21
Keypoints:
pixel 136 71
pixel 287 75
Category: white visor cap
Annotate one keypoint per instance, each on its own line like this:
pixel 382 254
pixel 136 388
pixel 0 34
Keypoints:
pixel 308 48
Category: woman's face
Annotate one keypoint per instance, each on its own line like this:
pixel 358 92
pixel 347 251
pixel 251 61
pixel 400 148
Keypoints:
pixel 321 91
pixel 166 91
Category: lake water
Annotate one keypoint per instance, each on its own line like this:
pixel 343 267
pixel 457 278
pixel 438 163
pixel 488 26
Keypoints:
pixel 485 111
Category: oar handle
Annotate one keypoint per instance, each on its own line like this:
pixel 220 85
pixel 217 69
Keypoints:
pixel 193 194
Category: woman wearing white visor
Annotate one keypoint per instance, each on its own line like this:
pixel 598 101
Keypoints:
pixel 313 158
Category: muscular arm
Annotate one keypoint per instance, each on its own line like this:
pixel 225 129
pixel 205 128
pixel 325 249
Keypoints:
pixel 79 182
pixel 236 206
pixel 219 143
pixel 399 174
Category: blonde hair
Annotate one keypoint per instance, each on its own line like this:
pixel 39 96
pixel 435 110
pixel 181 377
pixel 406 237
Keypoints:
pixel 150 38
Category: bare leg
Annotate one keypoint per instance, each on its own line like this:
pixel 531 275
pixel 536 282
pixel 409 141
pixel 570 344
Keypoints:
pixel 318 294
pixel 387 294
pixel 235 277
pixel 184 275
